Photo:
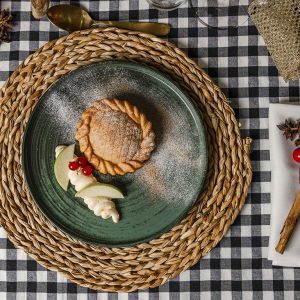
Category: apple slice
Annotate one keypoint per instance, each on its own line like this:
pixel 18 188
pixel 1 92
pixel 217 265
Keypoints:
pixel 98 189
pixel 61 166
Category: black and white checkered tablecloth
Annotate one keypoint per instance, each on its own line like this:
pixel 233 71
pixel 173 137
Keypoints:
pixel 239 63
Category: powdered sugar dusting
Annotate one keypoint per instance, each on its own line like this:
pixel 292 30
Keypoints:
pixel 173 163
pixel 173 171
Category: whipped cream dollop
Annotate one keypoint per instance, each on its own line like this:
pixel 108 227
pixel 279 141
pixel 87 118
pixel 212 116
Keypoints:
pixel 101 206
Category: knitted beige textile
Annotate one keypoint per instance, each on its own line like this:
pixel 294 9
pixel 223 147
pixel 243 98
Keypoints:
pixel 278 21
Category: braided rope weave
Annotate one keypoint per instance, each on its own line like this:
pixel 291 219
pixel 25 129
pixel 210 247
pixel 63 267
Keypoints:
pixel 149 264
pixel 104 166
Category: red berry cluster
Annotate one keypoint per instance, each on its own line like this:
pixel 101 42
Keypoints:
pixel 296 155
pixel 291 129
pixel 82 162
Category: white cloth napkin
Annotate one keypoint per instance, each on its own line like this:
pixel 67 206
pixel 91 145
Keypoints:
pixel 284 184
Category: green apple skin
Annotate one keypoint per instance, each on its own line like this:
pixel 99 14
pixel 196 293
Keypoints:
pixel 61 166
pixel 97 189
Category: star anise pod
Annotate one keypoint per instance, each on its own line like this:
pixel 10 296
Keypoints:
pixel 298 126
pixel 297 142
pixel 5 24
pixel 289 129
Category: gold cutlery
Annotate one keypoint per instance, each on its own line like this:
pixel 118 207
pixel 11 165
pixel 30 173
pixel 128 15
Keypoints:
pixel 73 18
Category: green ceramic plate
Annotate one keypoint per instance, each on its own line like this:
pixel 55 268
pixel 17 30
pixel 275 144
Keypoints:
pixel 159 194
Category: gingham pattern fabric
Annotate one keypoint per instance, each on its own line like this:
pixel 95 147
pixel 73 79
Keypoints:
pixel 239 63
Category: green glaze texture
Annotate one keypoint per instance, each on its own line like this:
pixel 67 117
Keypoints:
pixel 158 195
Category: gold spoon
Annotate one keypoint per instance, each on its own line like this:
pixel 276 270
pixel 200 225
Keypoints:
pixel 73 18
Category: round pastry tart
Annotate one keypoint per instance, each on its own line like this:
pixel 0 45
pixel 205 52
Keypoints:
pixel 115 137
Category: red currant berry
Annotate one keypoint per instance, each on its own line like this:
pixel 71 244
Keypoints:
pixel 73 165
pixel 82 161
pixel 296 155
pixel 87 170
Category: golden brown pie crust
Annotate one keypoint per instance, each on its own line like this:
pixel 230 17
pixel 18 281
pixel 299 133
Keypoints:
pixel 115 137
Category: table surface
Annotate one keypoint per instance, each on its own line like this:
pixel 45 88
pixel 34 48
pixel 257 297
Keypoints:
pixel 239 63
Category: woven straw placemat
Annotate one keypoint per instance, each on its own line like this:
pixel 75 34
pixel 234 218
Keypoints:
pixel 149 264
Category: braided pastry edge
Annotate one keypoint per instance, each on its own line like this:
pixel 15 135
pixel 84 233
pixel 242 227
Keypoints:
pixel 107 167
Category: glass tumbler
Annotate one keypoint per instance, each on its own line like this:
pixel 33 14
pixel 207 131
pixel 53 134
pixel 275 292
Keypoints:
pixel 166 4
pixel 221 14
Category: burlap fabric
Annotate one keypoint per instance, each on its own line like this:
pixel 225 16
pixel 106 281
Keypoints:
pixel 278 21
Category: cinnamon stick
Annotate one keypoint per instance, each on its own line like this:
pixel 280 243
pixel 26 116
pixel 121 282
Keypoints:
pixel 289 225
pixel 39 8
